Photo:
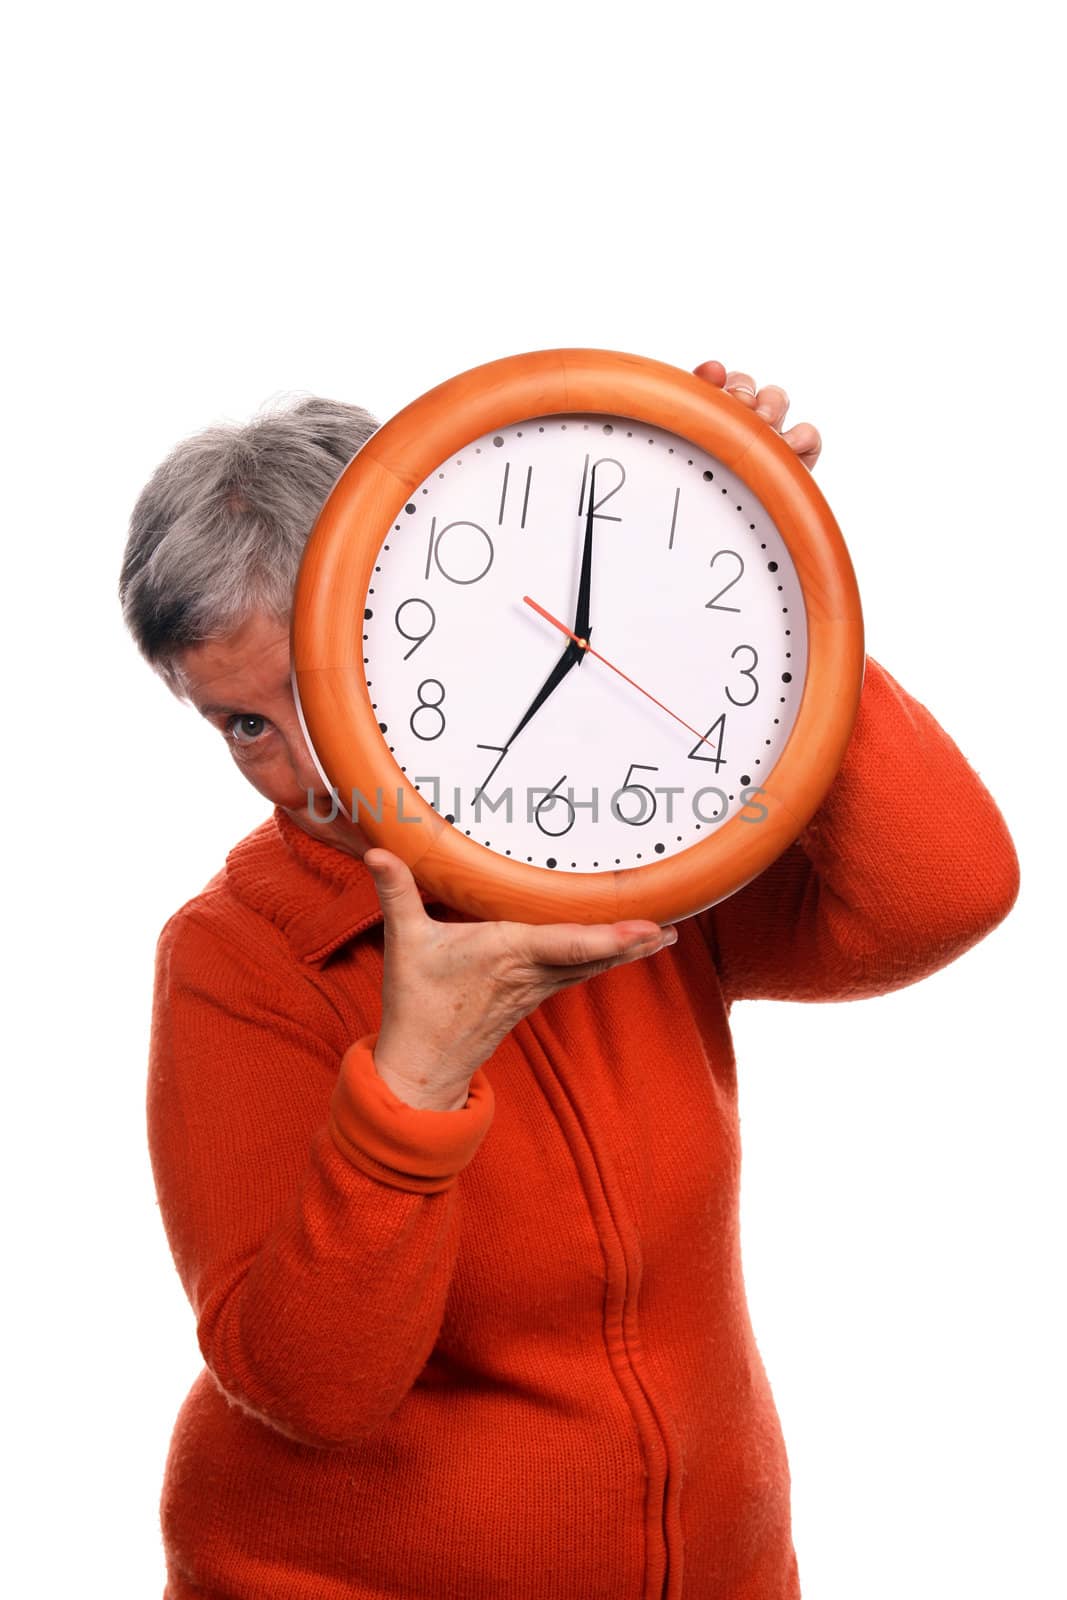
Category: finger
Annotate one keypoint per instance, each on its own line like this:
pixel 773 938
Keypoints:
pixel 772 403
pixel 397 891
pixel 566 975
pixel 742 385
pixel 572 944
pixel 805 441
pixel 711 372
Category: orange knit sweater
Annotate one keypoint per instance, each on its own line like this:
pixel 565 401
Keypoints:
pixel 505 1351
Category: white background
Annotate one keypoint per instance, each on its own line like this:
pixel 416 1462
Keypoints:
pixel 210 205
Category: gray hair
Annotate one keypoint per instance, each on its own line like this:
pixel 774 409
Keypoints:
pixel 219 529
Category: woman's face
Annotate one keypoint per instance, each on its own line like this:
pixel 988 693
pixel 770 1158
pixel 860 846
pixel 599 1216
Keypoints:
pixel 241 684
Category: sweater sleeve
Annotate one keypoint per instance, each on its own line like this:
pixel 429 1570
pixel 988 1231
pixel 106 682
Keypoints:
pixel 905 865
pixel 312 1215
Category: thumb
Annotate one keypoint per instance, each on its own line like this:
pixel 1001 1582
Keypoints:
pixel 396 888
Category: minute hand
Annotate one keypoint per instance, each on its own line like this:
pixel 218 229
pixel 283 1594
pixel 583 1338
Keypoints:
pixel 581 616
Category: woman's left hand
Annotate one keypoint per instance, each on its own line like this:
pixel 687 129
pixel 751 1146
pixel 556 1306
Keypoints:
pixel 771 403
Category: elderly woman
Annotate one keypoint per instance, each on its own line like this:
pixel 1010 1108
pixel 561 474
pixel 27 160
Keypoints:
pixel 456 1203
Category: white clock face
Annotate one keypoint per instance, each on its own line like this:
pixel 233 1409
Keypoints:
pixel 694 607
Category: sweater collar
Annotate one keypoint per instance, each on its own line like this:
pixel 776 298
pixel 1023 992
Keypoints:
pixel 319 896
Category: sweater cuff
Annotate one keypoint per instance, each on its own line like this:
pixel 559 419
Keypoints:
pixel 404 1146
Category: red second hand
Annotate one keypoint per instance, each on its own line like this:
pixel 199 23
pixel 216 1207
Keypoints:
pixel 585 645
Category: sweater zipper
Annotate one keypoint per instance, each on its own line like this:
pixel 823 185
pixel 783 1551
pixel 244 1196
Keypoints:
pixel 663 1565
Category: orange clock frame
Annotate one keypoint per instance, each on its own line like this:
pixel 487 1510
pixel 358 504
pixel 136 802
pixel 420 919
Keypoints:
pixel 336 572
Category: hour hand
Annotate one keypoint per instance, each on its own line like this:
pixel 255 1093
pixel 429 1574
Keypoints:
pixel 570 656
pixel 553 681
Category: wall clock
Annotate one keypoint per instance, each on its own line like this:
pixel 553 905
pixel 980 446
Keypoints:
pixel 578 638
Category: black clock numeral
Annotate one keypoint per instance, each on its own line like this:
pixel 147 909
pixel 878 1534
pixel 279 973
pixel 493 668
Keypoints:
pixel 626 787
pixel 428 708
pixel 711 605
pixel 746 672
pixel 674 518
pixel 702 750
pixel 504 495
pixel 419 638
pixel 602 494
pixel 551 799
pixel 502 750
pixel 459 545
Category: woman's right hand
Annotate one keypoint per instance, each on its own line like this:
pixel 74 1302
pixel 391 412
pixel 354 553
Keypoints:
pixel 452 990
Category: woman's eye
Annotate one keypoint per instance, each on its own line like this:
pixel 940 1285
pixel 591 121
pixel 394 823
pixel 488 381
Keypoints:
pixel 245 730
